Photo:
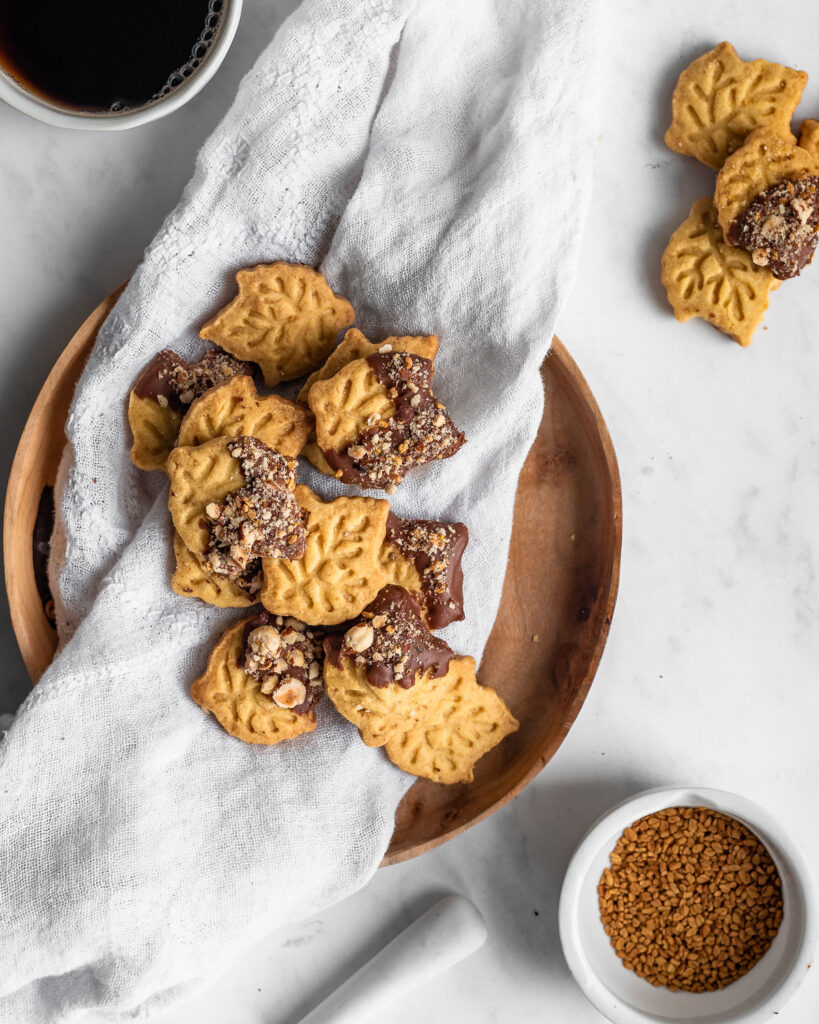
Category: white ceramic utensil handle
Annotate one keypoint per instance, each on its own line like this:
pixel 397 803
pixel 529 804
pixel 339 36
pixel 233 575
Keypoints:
pixel 445 934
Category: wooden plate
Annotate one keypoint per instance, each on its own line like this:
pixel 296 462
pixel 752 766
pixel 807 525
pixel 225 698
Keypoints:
pixel 558 596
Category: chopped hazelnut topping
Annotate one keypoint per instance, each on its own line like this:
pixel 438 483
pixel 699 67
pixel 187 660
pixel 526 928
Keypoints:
pixel 779 227
pixel 359 638
pixel 285 657
pixel 291 693
pixel 418 432
pixel 436 550
pixel 260 520
pixel 398 650
pixel 171 381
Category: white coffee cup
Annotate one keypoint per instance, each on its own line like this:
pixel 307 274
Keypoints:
pixel 16 95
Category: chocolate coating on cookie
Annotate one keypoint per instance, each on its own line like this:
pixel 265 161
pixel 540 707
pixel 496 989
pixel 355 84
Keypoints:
pixel 779 226
pixel 262 519
pixel 285 657
pixel 174 383
pixel 419 432
pixel 391 642
pixel 436 550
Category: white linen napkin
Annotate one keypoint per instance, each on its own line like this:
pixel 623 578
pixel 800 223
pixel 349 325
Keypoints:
pixel 435 161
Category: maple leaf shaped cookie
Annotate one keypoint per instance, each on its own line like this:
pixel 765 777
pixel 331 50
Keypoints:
pixel 340 571
pixel 285 318
pixel 707 278
pixel 236 699
pixel 192 578
pixel 720 98
pixel 235 408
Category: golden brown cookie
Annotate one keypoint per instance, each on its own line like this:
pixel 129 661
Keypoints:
pixel 236 700
pixel 285 318
pixel 468 720
pixel 705 277
pixel 154 429
pixel 193 579
pixel 356 346
pixel 163 393
pixel 378 418
pixel 236 408
pixel 378 712
pixel 424 557
pixel 200 474
pixel 766 159
pixel 401 571
pixel 231 502
pixel 719 99
pixel 437 729
pixel 340 571
pixel 389 644
pixel 767 199
pixel 809 136
pixel 345 404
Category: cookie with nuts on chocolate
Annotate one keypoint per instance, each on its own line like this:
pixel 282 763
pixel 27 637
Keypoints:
pixel 285 318
pixel 260 682
pixel 719 99
pixel 163 393
pixel 767 200
pixel 339 572
pixel 424 557
pixel 378 418
pixel 707 278
pixel 236 408
pixel 193 578
pixel 405 689
pixel 356 346
pixel 231 500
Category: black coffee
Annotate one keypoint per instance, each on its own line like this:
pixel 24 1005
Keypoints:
pixel 105 55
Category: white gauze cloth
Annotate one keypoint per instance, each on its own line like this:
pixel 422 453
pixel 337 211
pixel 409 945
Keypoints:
pixel 434 159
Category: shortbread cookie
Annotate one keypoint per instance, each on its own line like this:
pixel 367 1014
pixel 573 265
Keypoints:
pixel 285 318
pixel 719 99
pixel 404 689
pixel 707 278
pixel 373 672
pixel 424 557
pixel 767 199
pixel 809 137
pixel 356 346
pixel 236 408
pixel 467 721
pixel 340 571
pixel 192 578
pixel 377 418
pixel 163 392
pixel 232 501
pixel 391 642
pixel 237 700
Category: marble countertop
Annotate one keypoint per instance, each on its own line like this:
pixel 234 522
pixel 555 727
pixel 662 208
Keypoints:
pixel 710 674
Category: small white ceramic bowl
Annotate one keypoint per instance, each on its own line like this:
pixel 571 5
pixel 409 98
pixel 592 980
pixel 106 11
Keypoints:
pixel 60 117
pixel 626 998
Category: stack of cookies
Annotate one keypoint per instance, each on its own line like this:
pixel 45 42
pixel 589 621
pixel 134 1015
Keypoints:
pixel 351 594
pixel 760 227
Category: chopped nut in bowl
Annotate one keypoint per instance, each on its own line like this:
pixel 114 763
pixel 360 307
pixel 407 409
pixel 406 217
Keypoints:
pixel 688 904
